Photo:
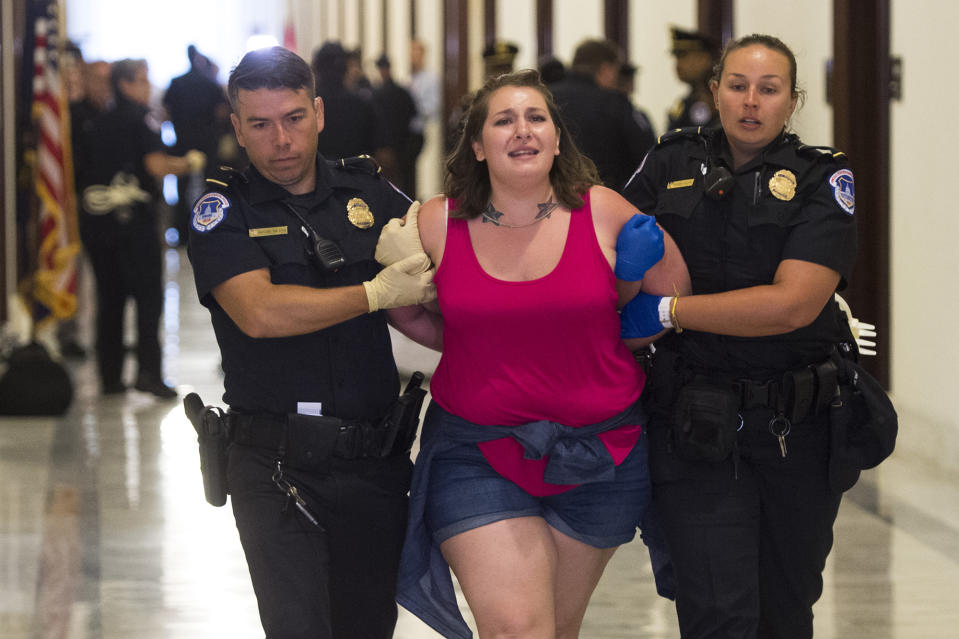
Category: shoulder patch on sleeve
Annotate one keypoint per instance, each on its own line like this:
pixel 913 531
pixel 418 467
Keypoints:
pixel 209 211
pixel 843 189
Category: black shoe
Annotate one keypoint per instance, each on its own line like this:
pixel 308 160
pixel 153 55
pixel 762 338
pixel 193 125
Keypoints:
pixel 155 386
pixel 113 388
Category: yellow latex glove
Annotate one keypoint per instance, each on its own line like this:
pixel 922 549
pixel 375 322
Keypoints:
pixel 400 238
pixel 406 283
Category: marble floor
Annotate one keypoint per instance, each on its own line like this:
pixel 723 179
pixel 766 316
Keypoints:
pixel 104 533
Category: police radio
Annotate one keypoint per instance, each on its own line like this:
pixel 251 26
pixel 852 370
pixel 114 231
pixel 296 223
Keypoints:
pixel 323 251
pixel 718 182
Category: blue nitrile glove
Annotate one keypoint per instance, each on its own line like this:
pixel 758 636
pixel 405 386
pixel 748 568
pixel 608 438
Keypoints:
pixel 640 317
pixel 638 247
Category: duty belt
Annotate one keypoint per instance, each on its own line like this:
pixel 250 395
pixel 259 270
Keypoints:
pixel 308 441
pixel 346 439
pixel 796 395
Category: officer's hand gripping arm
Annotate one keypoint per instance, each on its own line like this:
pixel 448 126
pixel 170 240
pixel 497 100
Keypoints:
pixel 638 247
pixel 406 283
pixel 640 317
pixel 400 238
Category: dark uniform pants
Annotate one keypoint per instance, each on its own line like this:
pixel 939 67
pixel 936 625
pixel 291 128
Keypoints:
pixel 337 583
pixel 127 261
pixel 749 551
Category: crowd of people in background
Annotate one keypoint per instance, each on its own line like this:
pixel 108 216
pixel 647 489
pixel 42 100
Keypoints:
pixel 387 119
pixel 380 117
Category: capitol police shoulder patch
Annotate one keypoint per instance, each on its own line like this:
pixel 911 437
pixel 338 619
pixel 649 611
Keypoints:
pixel 209 211
pixel 843 189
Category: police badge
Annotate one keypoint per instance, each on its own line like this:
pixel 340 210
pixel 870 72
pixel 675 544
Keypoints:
pixel 783 185
pixel 358 212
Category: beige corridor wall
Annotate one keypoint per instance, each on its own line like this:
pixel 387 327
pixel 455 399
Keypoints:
pixel 657 87
pixel 925 232
pixel 806 27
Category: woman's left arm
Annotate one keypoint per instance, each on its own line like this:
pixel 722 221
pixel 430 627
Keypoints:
pixel 667 276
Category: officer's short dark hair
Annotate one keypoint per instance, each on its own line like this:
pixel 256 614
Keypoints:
pixel 270 68
pixel 329 65
pixel 590 55
pixel 125 71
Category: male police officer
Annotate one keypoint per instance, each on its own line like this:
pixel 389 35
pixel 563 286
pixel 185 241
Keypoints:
pixel 283 258
pixel 695 54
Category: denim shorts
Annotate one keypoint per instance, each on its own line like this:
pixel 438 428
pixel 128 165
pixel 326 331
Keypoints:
pixel 465 493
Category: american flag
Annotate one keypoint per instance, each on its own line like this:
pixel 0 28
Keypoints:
pixel 55 278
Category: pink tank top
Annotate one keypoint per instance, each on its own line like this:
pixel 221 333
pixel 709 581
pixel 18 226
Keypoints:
pixel 520 352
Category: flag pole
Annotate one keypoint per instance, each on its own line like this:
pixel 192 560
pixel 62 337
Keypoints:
pixel 10 153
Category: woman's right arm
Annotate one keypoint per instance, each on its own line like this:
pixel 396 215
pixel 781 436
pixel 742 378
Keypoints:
pixel 432 227
pixel 424 323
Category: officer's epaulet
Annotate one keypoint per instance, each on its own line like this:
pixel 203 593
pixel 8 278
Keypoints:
pixel 224 178
pixel 362 163
pixel 820 152
pixel 674 135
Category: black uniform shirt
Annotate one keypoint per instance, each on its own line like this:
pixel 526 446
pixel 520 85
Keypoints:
pixel 791 202
pixel 602 124
pixel 248 225
pixel 117 141
pixel 358 129
pixel 692 111
pixel 192 101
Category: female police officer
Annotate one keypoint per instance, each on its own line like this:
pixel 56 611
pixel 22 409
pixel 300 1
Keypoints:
pixel 738 433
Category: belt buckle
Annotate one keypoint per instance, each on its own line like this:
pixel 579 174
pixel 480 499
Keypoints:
pixel 756 394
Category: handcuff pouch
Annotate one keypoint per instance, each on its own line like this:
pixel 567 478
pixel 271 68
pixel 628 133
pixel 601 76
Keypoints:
pixel 705 421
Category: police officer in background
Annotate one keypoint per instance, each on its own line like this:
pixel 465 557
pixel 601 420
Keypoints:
pixel 601 119
pixel 695 55
pixel 740 393
pixel 198 110
pixel 283 259
pixel 120 158
pixel 499 56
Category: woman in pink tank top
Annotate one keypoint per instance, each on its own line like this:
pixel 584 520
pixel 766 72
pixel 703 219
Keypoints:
pixel 532 467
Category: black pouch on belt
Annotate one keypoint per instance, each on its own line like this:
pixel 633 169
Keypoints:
pixel 310 440
pixel 863 424
pixel 705 421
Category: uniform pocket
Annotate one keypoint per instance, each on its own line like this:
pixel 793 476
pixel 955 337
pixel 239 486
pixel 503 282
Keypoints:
pixel 680 201
pixel 775 213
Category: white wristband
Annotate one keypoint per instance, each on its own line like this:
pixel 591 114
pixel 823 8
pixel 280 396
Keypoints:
pixel 664 317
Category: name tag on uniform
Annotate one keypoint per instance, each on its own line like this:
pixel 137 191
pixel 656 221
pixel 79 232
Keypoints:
pixel 680 184
pixel 267 231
